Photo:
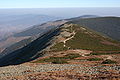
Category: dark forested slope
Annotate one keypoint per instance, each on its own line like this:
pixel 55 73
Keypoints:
pixel 109 26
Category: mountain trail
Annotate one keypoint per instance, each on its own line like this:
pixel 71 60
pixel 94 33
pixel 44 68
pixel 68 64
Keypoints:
pixel 73 33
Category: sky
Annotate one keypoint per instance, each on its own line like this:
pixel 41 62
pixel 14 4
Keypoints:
pixel 58 3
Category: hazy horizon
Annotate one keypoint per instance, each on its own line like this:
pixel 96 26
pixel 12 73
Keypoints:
pixel 63 12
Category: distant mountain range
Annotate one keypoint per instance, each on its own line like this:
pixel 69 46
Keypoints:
pixel 83 17
pixel 10 24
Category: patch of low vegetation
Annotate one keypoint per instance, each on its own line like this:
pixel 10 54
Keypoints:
pixel 108 61
pixel 58 60
pixel 85 41
pixel 72 56
pixel 94 59
pixel 104 53
pixel 55 60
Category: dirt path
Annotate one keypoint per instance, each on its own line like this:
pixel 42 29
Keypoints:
pixel 69 38
pixel 109 57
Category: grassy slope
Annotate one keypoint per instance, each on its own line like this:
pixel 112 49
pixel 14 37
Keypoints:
pixel 87 39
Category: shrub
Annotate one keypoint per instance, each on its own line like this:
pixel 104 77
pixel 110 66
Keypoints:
pixel 59 61
pixel 72 56
pixel 108 61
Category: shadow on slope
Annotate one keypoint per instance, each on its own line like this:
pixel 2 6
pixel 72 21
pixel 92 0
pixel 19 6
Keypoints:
pixel 29 52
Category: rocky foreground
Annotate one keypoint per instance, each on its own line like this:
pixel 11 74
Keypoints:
pixel 59 72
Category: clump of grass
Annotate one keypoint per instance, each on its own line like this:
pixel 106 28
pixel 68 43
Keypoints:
pixel 50 59
pixel 72 56
pixel 108 61
pixel 94 59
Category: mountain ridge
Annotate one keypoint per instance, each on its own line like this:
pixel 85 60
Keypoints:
pixel 85 35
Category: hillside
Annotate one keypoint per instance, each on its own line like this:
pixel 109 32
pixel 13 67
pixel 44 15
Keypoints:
pixel 21 39
pixel 30 51
pixel 109 26
pixel 39 29
pixel 77 41
pixel 23 46
pixel 71 39
pixel 67 50
pixel 12 25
